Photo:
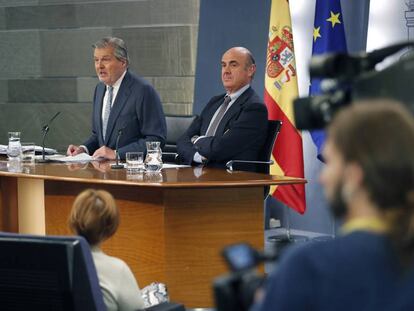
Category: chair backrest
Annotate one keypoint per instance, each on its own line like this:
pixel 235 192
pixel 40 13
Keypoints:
pixel 167 306
pixel 273 129
pixel 47 273
pixel 176 126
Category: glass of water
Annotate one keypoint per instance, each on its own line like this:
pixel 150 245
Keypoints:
pixel 28 152
pixel 153 160
pixel 14 148
pixel 134 162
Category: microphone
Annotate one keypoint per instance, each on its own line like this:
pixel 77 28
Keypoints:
pixel 117 166
pixel 45 130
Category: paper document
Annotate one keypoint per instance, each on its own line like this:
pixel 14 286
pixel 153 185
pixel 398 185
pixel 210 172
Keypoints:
pixel 81 157
pixel 38 150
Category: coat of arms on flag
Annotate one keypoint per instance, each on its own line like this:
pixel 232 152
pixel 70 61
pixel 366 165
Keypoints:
pixel 280 57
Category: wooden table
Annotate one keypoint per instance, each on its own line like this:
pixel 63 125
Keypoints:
pixel 173 224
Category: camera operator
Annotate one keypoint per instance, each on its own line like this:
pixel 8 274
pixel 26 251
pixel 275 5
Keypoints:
pixel 369 181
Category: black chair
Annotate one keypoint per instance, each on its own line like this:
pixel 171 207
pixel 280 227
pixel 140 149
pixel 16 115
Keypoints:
pixel 176 126
pixel 263 166
pixel 52 273
pixel 167 306
pixel 47 273
pixel 265 155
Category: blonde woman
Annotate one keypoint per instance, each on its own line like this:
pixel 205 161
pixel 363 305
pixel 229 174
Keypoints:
pixel 95 217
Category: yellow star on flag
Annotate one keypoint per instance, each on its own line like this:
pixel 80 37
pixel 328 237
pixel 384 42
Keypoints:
pixel 316 33
pixel 334 19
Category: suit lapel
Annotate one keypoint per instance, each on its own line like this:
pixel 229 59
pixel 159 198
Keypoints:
pixel 100 93
pixel 233 110
pixel 120 100
pixel 210 113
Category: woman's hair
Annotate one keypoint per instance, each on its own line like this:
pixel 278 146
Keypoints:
pixel 94 216
pixel 378 135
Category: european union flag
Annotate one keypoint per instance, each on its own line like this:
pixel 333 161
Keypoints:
pixel 328 37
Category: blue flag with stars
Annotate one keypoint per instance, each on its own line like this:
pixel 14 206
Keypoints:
pixel 328 37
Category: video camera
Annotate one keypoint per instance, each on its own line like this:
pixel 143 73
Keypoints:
pixel 350 77
pixel 235 291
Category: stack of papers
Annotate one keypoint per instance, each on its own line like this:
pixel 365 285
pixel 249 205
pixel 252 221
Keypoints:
pixel 38 150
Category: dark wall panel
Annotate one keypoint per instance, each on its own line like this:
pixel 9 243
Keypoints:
pixel 224 24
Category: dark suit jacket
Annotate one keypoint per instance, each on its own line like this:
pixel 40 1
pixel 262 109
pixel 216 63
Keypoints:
pixel 240 134
pixel 137 110
pixel 358 271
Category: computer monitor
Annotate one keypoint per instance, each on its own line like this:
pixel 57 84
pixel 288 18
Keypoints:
pixel 47 273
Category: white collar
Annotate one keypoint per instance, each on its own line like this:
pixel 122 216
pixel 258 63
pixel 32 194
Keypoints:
pixel 240 91
pixel 118 82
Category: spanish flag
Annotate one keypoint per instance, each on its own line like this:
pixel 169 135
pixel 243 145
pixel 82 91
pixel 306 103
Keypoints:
pixel 281 88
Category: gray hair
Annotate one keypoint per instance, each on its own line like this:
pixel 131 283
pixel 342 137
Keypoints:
pixel 120 49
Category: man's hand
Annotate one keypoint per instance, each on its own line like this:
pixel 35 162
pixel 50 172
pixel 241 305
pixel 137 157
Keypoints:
pixel 74 150
pixel 104 152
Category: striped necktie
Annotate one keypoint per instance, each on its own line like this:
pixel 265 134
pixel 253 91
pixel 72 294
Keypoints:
pixel 107 110
pixel 214 123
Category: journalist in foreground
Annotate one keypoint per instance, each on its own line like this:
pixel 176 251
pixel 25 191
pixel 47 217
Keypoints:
pixel 369 181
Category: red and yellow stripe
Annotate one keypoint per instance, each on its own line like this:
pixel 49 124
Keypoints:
pixel 280 90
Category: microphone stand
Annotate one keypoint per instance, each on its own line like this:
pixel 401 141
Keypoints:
pixel 117 166
pixel 45 130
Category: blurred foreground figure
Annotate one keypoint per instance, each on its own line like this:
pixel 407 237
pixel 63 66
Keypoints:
pixel 369 181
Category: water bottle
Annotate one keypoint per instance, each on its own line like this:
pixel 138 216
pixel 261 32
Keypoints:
pixel 14 149
pixel 153 160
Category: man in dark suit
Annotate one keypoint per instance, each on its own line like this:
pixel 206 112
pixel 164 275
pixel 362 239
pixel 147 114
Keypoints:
pixel 232 125
pixel 124 105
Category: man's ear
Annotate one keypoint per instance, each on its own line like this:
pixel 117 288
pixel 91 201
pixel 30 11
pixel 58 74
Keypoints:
pixel 251 70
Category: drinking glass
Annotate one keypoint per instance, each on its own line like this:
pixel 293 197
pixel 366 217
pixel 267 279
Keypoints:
pixel 14 148
pixel 28 152
pixel 134 162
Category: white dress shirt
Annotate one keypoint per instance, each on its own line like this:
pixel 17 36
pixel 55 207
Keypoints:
pixel 116 87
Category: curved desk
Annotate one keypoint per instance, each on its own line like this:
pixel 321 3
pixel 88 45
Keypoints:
pixel 173 224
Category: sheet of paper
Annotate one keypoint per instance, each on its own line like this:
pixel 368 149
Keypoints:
pixel 38 149
pixel 81 157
